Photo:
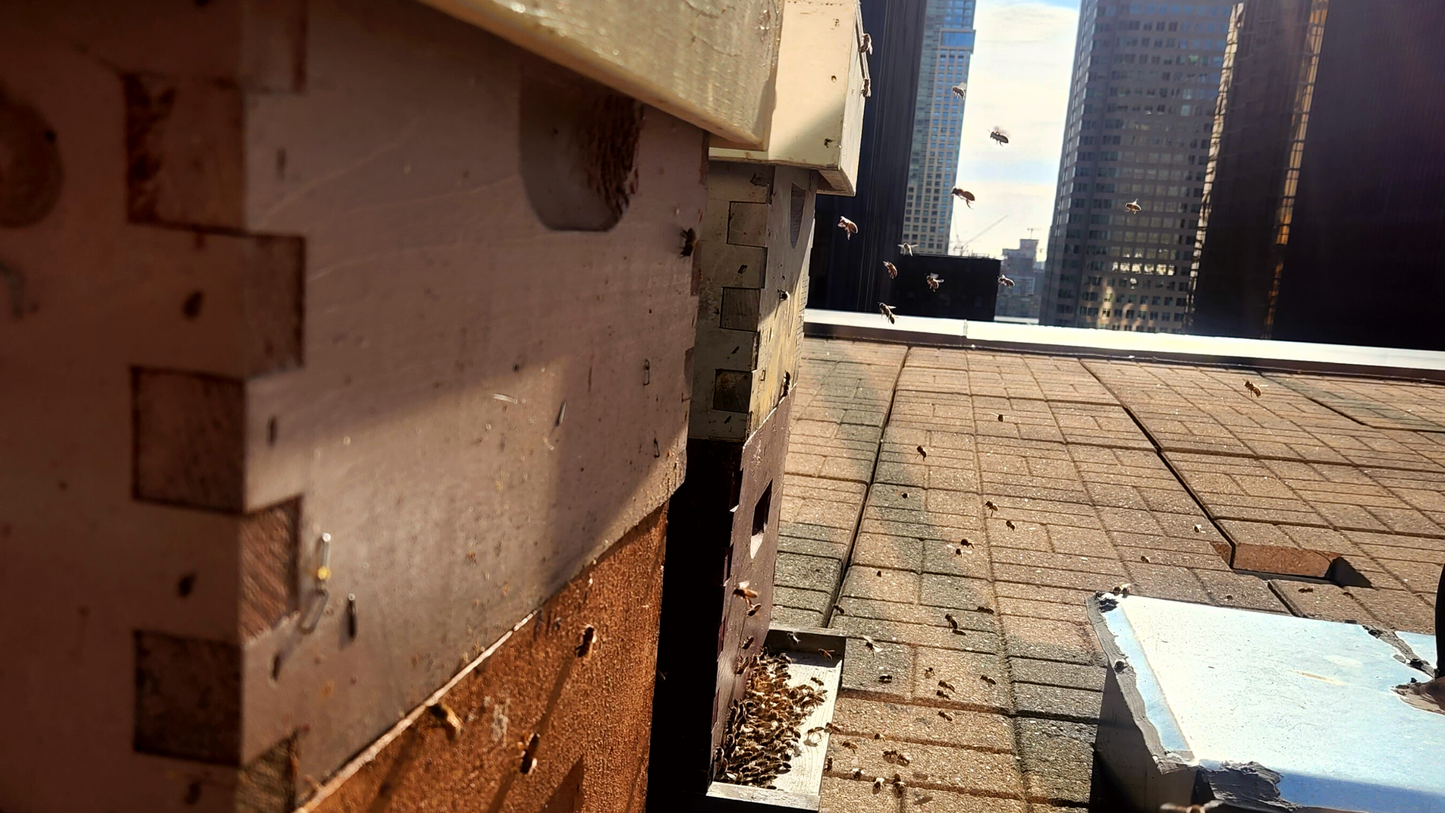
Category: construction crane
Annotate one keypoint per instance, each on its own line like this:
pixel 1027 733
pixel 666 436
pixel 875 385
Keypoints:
pixel 969 241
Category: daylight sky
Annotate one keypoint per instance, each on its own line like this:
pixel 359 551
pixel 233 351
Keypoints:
pixel 1018 80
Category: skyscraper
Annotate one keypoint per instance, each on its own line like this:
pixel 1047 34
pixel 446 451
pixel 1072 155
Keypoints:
pixel 1141 113
pixel 1322 217
pixel 937 118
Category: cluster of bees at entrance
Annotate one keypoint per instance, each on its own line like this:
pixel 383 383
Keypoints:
pixel 998 136
pixel 764 727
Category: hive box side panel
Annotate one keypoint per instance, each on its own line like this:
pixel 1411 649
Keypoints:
pixel 710 63
pixel 494 388
pixel 585 696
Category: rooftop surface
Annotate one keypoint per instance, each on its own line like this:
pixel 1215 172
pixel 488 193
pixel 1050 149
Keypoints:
pixel 1323 496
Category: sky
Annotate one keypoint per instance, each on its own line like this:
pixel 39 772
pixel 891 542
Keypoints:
pixel 1018 80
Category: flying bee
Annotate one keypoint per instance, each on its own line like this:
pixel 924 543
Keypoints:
pixel 907 248
pixel 877 784
pixel 933 281
pixel 964 195
pixel 827 653
pixel 1005 281
pixel 689 242
pixel 1133 207
pixel 999 136
pixel 989 504
pixel 960 90
pixel 793 636
pixel 1253 390
pixel 746 592
pixel 869 642
pixel 888 311
pixel 1199 529
pixel 857 773
pixel 847 226
pixel 753 608
pixel 1000 417
pixel 892 269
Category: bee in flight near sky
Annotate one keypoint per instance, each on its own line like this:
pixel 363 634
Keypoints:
pixel 907 248
pixel 964 195
pixel 892 269
pixel 887 311
pixel 960 90
pixel 848 226
pixel 999 135
pixel 1133 207
pixel 933 281
pixel 1005 281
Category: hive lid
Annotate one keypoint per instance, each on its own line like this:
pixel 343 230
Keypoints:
pixel 1277 712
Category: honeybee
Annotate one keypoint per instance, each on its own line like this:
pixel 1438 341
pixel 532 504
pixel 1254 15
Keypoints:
pixel 892 269
pixel 448 719
pixel 748 642
pixel 923 452
pixel 952 622
pixel 888 311
pixel 885 678
pixel 689 242
pixel 1008 523
pixel 933 281
pixel 1198 528
pixel 866 46
pixel 907 248
pixel 1253 390
pixel 816 680
pixel 999 136
pixel 838 609
pixel 869 642
pixel 847 226
pixel 960 90
pixel 1123 589
pixel 943 684
pixel 1000 417
pixel 964 195
pixel 965 543
pixel 877 784
pixel 991 506
pixel 986 679
pixel 985 610
pixel 746 592
pixel 945 715
pixel 1133 207
pixel 1005 281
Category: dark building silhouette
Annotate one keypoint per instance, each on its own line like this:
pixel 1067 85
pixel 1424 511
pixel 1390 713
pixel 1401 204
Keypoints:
pixel 1324 212
pixel 848 274
pixel 968 288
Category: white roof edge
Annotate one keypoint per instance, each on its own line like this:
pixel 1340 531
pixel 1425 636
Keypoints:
pixel 1380 362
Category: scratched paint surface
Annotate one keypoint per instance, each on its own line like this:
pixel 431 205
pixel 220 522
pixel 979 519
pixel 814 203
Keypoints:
pixel 1311 700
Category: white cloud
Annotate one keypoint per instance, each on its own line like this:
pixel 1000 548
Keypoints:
pixel 1018 80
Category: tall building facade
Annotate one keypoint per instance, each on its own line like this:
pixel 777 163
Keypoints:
pixel 1323 212
pixel 1141 116
pixel 846 273
pixel 937 119
pixel 1021 301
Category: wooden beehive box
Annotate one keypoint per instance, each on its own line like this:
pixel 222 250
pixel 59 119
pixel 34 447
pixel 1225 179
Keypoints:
pixel 822 84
